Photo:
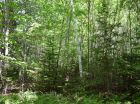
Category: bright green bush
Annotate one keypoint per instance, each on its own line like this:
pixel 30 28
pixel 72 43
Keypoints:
pixel 32 98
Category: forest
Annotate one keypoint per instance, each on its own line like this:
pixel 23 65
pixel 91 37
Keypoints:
pixel 69 51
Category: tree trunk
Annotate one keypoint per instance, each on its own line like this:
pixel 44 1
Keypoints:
pixel 79 53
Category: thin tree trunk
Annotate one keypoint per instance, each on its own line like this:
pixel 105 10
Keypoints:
pixel 78 50
pixel 6 28
pixel 6 34
pixel 88 45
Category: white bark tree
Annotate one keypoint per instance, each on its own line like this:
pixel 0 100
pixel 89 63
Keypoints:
pixel 6 29
pixel 75 26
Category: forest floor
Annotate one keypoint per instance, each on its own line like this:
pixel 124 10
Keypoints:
pixel 53 98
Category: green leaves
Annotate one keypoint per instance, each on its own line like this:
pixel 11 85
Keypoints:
pixel 1 35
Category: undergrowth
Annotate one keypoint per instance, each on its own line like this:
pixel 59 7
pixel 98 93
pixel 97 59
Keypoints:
pixel 52 98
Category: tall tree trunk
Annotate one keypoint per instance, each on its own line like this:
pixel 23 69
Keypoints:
pixel 6 28
pixel 88 45
pixel 79 53
pixel 6 38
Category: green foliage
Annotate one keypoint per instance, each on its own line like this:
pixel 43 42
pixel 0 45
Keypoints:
pixel 33 98
pixel 43 56
pixel 89 100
